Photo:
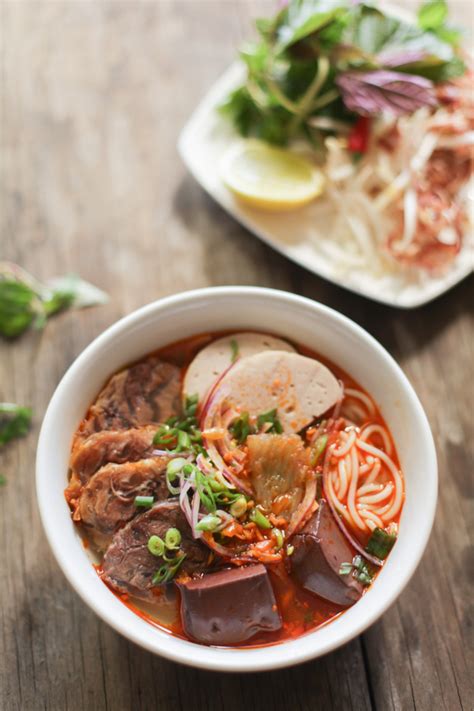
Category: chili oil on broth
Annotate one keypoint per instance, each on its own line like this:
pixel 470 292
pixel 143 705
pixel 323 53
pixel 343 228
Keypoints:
pixel 301 612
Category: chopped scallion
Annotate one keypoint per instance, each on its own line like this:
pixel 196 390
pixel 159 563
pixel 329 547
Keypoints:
pixel 156 545
pixel 208 523
pixel 174 467
pixel 345 568
pixel 380 543
pixel 172 539
pixel 168 570
pixel 279 537
pixel 257 517
pixel 318 449
pixel 144 501
pixel 238 507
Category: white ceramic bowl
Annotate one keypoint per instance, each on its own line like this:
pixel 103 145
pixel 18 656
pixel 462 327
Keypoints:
pixel 308 323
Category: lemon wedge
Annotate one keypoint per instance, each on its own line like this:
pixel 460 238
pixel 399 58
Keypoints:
pixel 271 178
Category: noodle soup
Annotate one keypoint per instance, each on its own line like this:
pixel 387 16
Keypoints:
pixel 238 489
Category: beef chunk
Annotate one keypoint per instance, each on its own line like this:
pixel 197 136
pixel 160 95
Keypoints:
pixel 111 446
pixel 147 392
pixel 320 549
pixel 128 566
pixel 230 606
pixel 106 503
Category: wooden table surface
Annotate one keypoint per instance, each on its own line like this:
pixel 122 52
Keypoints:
pixel 93 96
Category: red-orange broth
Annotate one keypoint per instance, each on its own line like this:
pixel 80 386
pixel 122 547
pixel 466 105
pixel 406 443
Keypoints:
pixel 301 611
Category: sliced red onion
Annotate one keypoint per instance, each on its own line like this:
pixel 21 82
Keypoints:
pixel 224 551
pixel 204 464
pixel 195 515
pixel 338 405
pixel 352 540
pixel 211 396
pixel 184 501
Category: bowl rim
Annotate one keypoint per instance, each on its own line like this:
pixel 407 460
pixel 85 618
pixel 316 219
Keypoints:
pixel 243 659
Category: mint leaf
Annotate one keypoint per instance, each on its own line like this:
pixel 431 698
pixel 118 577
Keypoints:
pixel 432 15
pixel 302 18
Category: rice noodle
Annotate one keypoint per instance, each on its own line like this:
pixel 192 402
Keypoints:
pixel 361 481
pixel 365 399
pixel 342 451
pixel 368 431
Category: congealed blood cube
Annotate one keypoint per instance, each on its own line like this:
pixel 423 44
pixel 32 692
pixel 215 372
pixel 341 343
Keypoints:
pixel 230 606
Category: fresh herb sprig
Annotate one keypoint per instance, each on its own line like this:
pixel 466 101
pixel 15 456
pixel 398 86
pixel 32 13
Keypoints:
pixel 180 435
pixel 25 302
pixel 323 59
pixel 267 422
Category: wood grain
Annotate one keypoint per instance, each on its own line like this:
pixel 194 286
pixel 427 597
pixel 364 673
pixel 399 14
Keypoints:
pixel 93 96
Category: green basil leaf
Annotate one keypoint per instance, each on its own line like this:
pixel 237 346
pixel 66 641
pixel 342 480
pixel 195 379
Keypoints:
pixel 432 15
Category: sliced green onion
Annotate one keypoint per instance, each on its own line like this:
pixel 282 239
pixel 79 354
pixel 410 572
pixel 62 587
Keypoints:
pixel 345 568
pixel 239 506
pixel 257 517
pixel 380 543
pixel 184 441
pixel 174 467
pixel 318 449
pixel 172 539
pixel 165 436
pixel 279 537
pixel 191 405
pixel 144 501
pixel 361 572
pixel 208 523
pixel 205 491
pixel 290 549
pixel 156 545
pixel 216 485
pixel 168 570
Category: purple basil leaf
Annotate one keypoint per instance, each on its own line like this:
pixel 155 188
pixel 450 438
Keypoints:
pixel 380 91
pixel 401 58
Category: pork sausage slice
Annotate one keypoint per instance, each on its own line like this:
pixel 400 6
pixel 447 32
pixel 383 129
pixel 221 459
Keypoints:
pixel 299 388
pixel 213 360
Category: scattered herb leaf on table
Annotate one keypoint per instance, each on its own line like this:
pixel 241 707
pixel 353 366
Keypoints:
pixel 26 302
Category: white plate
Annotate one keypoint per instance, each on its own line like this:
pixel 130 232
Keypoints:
pixel 297 235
